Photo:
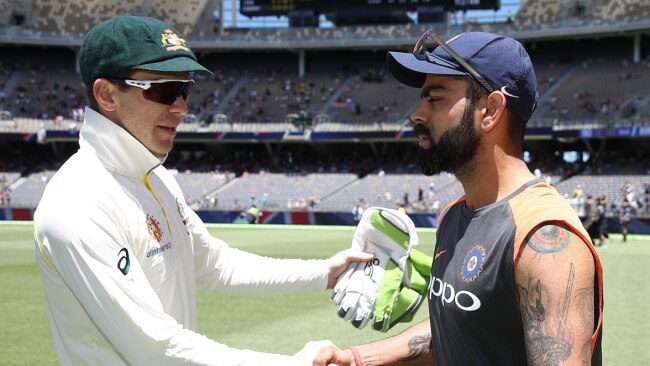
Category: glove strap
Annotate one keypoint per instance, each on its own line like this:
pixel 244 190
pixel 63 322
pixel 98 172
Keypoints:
pixel 356 355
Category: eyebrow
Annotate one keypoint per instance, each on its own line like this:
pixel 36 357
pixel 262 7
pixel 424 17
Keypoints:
pixel 426 91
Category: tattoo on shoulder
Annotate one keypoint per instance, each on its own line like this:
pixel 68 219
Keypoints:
pixel 418 345
pixel 550 238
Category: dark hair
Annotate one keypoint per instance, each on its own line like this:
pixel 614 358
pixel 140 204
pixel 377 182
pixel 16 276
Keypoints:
pixel 90 95
pixel 474 90
pixel 516 126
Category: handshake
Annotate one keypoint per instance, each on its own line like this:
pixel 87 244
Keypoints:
pixel 389 288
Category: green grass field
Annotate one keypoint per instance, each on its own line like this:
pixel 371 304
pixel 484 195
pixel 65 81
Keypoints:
pixel 282 324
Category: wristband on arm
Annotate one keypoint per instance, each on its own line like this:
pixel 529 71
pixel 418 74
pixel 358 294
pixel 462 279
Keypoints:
pixel 356 355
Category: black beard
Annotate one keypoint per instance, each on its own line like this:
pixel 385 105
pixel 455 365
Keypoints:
pixel 454 150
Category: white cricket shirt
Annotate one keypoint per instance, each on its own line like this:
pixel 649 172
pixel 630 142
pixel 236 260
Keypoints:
pixel 120 256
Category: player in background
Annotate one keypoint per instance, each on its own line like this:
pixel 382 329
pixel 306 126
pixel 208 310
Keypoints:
pixel 515 278
pixel 119 251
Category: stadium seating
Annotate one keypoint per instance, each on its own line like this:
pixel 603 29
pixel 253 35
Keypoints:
pixel 196 186
pixel 593 91
pixel 345 88
pixel 183 14
pixel 76 17
pixel 539 11
pixel 27 191
pixel 622 8
pixel 374 97
pixel 280 190
pixel 9 177
pixel 389 190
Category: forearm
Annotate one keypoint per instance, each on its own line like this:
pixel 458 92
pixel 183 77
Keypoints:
pixel 242 273
pixel 411 347
pixel 221 268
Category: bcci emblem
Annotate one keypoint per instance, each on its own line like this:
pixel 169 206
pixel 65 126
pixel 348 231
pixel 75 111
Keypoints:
pixel 473 264
pixel 172 42
pixel 154 228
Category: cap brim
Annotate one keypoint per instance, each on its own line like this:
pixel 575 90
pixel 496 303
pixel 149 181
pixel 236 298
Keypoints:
pixel 178 64
pixel 411 68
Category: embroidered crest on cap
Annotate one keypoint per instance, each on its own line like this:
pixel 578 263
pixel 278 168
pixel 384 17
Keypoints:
pixel 172 41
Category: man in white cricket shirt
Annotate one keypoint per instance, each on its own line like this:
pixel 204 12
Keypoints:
pixel 120 253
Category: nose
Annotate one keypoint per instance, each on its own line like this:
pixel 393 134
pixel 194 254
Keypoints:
pixel 419 115
pixel 179 106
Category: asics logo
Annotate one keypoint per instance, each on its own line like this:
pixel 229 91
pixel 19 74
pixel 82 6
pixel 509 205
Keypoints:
pixel 464 300
pixel 505 91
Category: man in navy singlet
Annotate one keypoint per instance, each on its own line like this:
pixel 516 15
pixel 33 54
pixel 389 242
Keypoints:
pixel 515 278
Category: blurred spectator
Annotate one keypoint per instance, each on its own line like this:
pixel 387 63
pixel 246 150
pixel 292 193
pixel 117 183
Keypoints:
pixel 253 215
pixel 241 219
pixel 357 210
pixel 388 196
pixel 624 219
pixel 577 192
pixel 432 191
pixel 313 201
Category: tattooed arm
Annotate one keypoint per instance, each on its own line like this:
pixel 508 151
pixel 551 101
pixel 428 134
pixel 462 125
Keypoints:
pixel 411 347
pixel 554 277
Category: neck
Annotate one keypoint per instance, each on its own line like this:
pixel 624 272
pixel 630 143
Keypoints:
pixel 492 178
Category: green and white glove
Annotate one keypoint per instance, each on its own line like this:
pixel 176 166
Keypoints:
pixel 389 288
pixel 398 302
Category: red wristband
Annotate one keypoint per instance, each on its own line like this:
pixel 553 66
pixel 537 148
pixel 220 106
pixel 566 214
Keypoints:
pixel 356 355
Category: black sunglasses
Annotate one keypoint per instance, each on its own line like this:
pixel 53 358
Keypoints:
pixel 164 91
pixel 421 49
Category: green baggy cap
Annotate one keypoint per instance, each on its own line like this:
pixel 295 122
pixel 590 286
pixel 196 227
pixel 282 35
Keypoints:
pixel 129 42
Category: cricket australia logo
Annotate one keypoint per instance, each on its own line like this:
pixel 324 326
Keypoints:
pixel 473 264
pixel 172 41
pixel 153 226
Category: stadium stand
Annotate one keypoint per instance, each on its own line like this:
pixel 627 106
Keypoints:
pixel 197 186
pixel 539 11
pixel 621 8
pixel 593 90
pixel 8 177
pixel 374 97
pixel 282 191
pixel 77 17
pixel 585 82
pixel 206 25
pixel 183 14
pixel 27 191
pixel 391 191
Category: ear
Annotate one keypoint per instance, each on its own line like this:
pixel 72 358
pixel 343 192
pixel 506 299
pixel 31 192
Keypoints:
pixel 494 112
pixel 104 92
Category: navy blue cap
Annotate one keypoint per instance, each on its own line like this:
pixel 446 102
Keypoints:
pixel 501 61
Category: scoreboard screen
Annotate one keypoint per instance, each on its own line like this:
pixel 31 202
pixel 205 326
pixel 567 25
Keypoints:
pixel 282 7
pixel 265 7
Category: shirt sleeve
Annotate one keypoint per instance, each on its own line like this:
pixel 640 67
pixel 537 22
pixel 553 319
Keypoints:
pixel 232 271
pixel 91 253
